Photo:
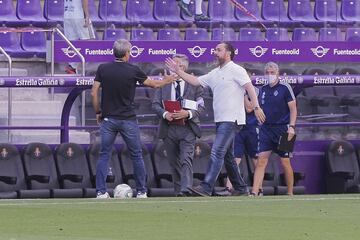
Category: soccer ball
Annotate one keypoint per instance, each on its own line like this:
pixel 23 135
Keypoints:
pixel 123 191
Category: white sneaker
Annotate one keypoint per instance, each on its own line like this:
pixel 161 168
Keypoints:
pixel 102 195
pixel 141 195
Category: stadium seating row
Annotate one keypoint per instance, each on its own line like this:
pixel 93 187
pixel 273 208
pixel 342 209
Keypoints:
pixel 157 13
pixel 33 43
pixel 229 34
pixel 37 172
pixel 329 101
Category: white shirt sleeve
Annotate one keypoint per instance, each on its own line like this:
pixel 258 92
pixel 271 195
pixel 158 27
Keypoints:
pixel 190 114
pixel 164 114
pixel 241 76
pixel 204 80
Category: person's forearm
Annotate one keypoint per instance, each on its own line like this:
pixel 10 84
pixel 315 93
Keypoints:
pixel 248 106
pixel 157 83
pixel 252 94
pixel 191 79
pixel 96 105
pixel 293 115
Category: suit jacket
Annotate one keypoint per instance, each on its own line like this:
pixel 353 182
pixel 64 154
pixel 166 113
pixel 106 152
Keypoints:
pixel 191 93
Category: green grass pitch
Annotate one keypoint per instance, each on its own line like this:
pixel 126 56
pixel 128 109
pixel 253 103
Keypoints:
pixel 317 217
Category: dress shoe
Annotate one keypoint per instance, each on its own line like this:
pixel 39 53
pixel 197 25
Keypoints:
pixel 223 193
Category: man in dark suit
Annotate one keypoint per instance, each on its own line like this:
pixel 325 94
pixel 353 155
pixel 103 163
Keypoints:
pixel 179 139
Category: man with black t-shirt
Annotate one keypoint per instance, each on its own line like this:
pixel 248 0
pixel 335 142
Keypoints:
pixel 116 114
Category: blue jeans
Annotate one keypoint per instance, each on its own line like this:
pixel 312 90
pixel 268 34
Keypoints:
pixel 130 132
pixel 223 151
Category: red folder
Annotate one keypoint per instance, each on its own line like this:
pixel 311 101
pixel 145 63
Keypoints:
pixel 172 106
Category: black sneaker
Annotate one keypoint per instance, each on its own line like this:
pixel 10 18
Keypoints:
pixel 199 191
pixel 201 18
pixel 185 8
pixel 260 193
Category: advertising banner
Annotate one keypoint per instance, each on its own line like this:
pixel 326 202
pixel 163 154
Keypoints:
pixel 202 51
pixel 85 82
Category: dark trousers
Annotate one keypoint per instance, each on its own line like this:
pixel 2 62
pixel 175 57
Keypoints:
pixel 179 145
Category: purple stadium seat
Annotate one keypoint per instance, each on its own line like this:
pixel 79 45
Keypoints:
pixel 301 11
pixel 7 14
pixel 223 34
pixel 304 34
pixel 328 11
pixel 220 12
pixel 143 34
pixel 196 34
pixel 31 12
pixel 350 10
pixel 10 42
pixel 172 34
pixel 352 35
pixel 114 34
pixel 253 8
pixel 168 12
pixel 250 34
pixel 112 12
pixel 277 34
pixel 275 11
pixel 54 11
pixel 141 12
pixel 330 34
pixel 34 42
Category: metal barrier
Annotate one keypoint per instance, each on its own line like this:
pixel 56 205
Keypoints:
pixel 80 84
pixel 68 42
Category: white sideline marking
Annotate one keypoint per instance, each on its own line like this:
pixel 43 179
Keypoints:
pixel 37 202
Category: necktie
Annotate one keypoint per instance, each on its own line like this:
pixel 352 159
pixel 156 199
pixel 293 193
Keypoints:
pixel 177 91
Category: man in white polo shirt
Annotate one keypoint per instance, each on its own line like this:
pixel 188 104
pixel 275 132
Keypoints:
pixel 77 24
pixel 228 83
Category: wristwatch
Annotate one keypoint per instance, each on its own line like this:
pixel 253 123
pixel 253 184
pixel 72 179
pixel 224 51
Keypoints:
pixel 256 108
pixel 292 126
pixel 99 112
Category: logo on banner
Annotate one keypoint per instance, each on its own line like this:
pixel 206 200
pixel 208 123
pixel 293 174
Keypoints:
pixel 320 51
pixel 37 152
pixel 69 152
pixel 258 51
pixel 340 150
pixel 197 51
pixel 136 51
pixel 70 52
pixel 4 153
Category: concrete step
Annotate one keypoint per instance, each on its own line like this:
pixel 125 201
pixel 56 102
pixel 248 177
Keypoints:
pixel 32 108
pixel 15 72
pixel 25 94
pixel 47 136
pixel 36 121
